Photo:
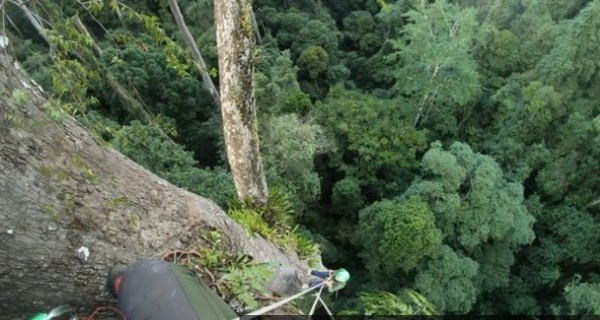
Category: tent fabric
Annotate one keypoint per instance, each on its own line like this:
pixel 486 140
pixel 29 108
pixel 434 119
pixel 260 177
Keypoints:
pixel 206 304
pixel 159 290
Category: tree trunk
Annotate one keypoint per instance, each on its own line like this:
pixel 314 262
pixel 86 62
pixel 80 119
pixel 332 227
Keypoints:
pixel 233 21
pixel 61 191
pixel 191 43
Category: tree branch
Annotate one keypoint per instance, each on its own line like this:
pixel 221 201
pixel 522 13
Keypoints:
pixel 191 43
pixel 32 19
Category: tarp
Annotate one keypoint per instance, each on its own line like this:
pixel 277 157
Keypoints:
pixel 159 290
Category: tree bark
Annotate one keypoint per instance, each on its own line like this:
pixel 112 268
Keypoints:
pixel 191 43
pixel 61 191
pixel 233 21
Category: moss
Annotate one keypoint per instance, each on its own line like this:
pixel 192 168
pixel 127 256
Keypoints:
pixel 49 210
pixel 19 97
pixel 113 181
pixel 84 169
pixel 134 220
pixel 58 139
pixel 45 171
pixel 67 201
pixel 14 118
pixel 118 201
pixel 58 175
pixel 246 18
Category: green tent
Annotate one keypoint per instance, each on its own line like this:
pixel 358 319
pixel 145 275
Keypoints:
pixel 159 290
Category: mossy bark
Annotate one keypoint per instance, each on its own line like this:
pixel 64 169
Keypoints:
pixel 235 43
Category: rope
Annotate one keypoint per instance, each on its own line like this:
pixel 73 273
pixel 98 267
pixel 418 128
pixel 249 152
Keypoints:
pixel 106 308
pixel 312 310
pixel 327 309
pixel 278 304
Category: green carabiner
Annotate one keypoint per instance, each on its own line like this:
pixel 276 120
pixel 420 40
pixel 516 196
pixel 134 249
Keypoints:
pixel 54 313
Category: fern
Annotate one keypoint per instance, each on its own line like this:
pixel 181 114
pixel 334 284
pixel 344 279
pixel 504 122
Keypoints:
pixel 253 222
pixel 246 280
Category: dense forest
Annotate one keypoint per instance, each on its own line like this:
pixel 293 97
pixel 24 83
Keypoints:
pixel 445 147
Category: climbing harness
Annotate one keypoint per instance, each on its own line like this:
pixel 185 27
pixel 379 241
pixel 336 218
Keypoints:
pixel 278 304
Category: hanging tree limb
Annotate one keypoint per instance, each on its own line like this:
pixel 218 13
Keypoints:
pixel 32 19
pixel 6 17
pixel 191 43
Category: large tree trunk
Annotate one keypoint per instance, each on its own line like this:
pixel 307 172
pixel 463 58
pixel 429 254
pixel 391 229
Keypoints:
pixel 60 191
pixel 233 21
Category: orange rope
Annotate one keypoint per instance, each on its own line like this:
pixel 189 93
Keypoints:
pixel 104 309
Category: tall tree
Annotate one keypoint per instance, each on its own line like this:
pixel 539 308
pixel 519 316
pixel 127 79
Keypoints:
pixel 438 73
pixel 235 46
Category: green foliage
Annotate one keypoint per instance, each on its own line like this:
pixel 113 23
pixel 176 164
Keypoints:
pixel 448 281
pixel 252 221
pixel 289 145
pixel 172 51
pixel 275 221
pixel 305 244
pixel 470 198
pixel 566 239
pixel 372 133
pixel 582 299
pixel 146 146
pixel 314 60
pixel 405 230
pixel 286 24
pixel 317 34
pixel 34 58
pixel 242 279
pixel 19 97
pixel 346 197
pixel 143 67
pixel 278 91
pixel 437 70
pixel 515 80
pixel 313 43
pixel 278 212
pixel 358 24
pixel 480 213
pixel 537 29
pixel 248 280
pixel 379 303
pixel 570 63
pixel 179 101
pixel 74 69
pixel 212 256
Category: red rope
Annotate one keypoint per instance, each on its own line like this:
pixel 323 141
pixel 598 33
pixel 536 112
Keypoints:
pixel 104 309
